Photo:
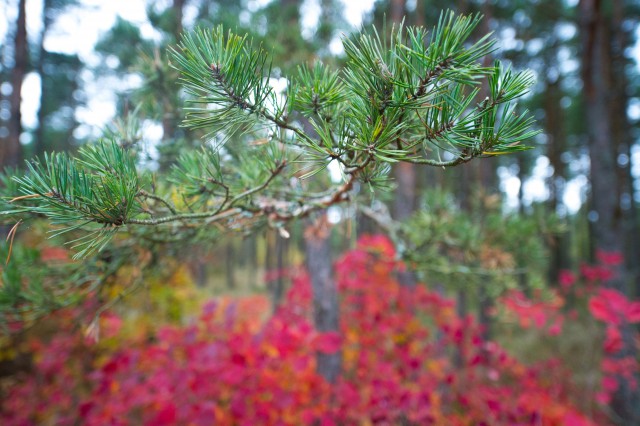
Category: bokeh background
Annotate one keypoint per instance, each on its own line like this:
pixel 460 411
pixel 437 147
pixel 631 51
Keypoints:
pixel 526 262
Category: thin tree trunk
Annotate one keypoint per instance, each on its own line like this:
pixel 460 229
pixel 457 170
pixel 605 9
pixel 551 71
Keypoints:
pixel 281 255
pixel 38 143
pixel 485 305
pixel 461 312
pixel 178 8
pixel 398 10
pixel 325 293
pixel 250 254
pixel 487 185
pixel 170 116
pixel 420 15
pixel 230 265
pixel 521 178
pixel 555 147
pixel 404 203
pixel 485 170
pixel 10 152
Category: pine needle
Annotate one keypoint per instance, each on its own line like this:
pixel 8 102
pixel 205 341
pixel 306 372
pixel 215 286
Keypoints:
pixel 11 235
pixel 26 197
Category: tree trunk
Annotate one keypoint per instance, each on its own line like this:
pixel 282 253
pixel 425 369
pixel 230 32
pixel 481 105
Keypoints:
pixel 608 228
pixel 623 39
pixel 230 264
pixel 461 311
pixel 597 91
pixel 281 250
pixel 178 7
pixel 398 10
pixel 250 256
pixel 404 203
pixel 325 292
pixel 555 147
pixel 485 170
pixel 38 142
pixel 10 152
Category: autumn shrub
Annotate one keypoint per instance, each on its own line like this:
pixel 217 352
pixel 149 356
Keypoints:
pixel 408 358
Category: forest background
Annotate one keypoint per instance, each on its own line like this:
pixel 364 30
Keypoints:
pixel 495 235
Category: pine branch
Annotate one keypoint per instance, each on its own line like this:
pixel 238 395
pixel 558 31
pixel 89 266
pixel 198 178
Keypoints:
pixel 405 98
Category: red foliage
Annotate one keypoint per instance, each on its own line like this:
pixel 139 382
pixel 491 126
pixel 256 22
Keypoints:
pixel 613 308
pixel 537 312
pixel 617 312
pixel 609 258
pixel 566 279
pixel 408 358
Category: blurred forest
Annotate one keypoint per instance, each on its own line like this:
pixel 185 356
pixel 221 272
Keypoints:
pixel 503 237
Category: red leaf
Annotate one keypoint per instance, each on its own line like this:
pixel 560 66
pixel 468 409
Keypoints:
pixel 328 342
pixel 575 419
pixel 633 312
pixel 613 341
pixel 567 279
pixel 612 307
pixel 600 308
pixel 166 415
pixel 610 258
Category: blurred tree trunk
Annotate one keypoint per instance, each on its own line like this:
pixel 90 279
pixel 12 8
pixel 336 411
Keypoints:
pixel 325 292
pixel 554 119
pixel 38 143
pixel 520 161
pixel 230 264
pixel 404 203
pixel 281 251
pixel 622 40
pixel 270 261
pixel 596 68
pixel 487 182
pixel 178 8
pixel 461 311
pixel 317 249
pixel 419 20
pixel 250 256
pixel 485 170
pixel 398 10
pixel 608 229
pixel 170 116
pixel 427 178
pixel 10 151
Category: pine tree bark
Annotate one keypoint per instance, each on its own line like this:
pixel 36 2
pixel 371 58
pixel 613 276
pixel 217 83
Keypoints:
pixel 325 292
pixel 10 152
